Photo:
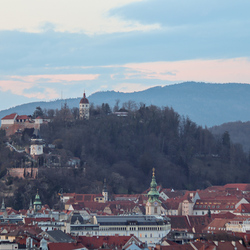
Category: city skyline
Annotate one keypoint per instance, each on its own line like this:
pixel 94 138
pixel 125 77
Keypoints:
pixel 63 48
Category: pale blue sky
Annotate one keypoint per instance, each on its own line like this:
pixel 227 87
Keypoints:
pixel 61 46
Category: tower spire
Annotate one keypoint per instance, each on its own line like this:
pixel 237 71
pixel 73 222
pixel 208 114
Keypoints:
pixel 153 206
pixel 3 205
pixel 105 191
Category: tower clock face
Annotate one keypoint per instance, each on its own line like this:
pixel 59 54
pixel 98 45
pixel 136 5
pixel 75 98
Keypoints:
pixel 155 203
pixel 38 207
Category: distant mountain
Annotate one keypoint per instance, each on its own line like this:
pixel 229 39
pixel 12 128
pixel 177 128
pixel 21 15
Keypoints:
pixel 204 103
pixel 239 132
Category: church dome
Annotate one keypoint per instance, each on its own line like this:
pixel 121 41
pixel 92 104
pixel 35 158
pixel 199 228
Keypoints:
pixel 84 99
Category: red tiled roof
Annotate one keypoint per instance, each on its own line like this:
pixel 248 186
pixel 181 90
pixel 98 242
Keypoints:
pixel 180 222
pixel 191 223
pixel 222 203
pixel 9 117
pixel 64 246
pixel 177 247
pixel 223 215
pixel 96 242
pixel 172 203
pixel 239 186
pixel 22 117
pixel 217 225
pixel 69 195
pixel 243 208
pixel 227 245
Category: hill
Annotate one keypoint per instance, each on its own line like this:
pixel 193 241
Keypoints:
pixel 124 150
pixel 239 132
pixel 205 104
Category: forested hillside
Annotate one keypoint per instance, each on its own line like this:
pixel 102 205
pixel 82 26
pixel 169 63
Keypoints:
pixel 125 149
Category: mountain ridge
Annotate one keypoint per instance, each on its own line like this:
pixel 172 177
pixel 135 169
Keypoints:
pixel 207 104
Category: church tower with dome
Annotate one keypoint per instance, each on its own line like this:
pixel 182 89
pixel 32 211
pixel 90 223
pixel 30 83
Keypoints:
pixel 84 108
pixel 153 205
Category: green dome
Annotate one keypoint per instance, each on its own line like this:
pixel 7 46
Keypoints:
pixel 153 194
pixel 37 200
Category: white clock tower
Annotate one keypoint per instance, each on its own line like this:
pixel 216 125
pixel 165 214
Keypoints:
pixel 36 147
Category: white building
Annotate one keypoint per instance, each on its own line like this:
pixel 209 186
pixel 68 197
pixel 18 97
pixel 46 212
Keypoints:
pixel 84 108
pixel 36 147
pixel 146 228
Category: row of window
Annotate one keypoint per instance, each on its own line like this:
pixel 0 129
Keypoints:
pixel 130 229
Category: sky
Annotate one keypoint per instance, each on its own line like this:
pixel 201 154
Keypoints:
pixel 52 49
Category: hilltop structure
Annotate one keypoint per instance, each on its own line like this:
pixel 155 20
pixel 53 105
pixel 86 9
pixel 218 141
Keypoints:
pixel 15 123
pixel 36 148
pixel 84 108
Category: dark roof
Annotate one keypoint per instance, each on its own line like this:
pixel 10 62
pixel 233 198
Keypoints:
pixel 77 216
pixel 96 242
pixel 125 220
pixel 65 246
pixel 58 236
pixel 84 99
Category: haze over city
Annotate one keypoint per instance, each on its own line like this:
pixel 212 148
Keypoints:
pixel 59 49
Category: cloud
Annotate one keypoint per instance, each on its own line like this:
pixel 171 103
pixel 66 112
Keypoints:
pixel 64 79
pixel 39 86
pixel 169 13
pixel 219 71
pixel 78 16
pixel 130 87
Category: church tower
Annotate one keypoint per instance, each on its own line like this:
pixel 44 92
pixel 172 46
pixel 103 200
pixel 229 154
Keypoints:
pixel 105 191
pixel 153 205
pixel 84 108
pixel 37 204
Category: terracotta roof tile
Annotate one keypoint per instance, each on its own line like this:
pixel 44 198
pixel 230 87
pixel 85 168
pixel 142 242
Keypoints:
pixel 9 117
pixel 96 242
pixel 64 246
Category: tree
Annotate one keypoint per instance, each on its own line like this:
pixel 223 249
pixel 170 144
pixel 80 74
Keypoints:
pixel 38 112
pixel 116 107
pixel 106 109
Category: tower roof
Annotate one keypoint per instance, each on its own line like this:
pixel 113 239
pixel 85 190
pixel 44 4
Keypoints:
pixel 37 200
pixel 153 194
pixel 84 99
